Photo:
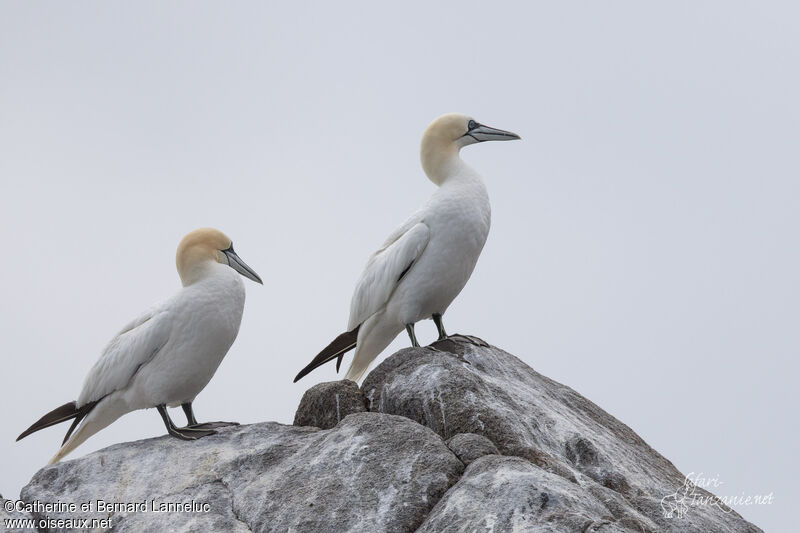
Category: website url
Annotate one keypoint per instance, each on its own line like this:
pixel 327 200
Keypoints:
pixel 57 523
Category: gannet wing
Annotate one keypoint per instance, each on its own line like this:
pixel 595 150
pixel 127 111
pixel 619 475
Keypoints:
pixel 416 217
pixel 135 345
pixel 386 268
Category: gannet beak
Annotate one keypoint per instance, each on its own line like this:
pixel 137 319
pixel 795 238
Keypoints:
pixel 236 263
pixel 483 133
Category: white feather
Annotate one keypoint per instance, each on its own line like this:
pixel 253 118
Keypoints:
pixel 444 240
pixel 137 343
pixel 166 356
pixel 441 242
pixel 384 268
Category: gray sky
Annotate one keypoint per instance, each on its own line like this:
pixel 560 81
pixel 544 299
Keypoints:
pixel 644 240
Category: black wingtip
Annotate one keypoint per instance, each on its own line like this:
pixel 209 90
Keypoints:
pixel 336 349
pixel 82 412
pixel 68 411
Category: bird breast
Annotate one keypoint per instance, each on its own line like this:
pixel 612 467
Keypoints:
pixel 459 218
pixel 206 318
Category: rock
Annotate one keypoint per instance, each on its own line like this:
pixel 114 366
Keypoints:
pixel 13 514
pixel 220 517
pixel 326 404
pixel 469 446
pixel 498 493
pixel 458 386
pixel 566 464
pixel 372 472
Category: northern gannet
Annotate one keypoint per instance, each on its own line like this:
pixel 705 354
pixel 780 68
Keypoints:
pixel 424 263
pixel 168 354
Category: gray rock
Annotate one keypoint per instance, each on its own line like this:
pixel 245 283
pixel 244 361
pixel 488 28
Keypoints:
pixel 498 493
pixel 469 446
pixel 457 386
pixel 221 515
pixel 567 465
pixel 326 404
pixel 13 514
pixel 372 472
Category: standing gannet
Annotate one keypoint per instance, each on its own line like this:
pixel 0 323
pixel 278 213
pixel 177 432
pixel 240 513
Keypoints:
pixel 424 263
pixel 167 355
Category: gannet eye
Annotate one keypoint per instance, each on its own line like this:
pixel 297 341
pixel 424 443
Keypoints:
pixel 472 125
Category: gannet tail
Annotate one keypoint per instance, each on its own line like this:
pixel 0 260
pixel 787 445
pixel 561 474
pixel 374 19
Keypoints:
pixel 335 350
pixel 111 408
pixel 68 411
pixel 376 334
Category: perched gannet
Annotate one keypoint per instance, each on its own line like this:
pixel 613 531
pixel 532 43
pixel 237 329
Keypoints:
pixel 168 354
pixel 424 263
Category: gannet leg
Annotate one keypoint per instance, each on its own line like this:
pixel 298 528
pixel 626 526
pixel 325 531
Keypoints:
pixel 412 336
pixel 437 319
pixel 186 433
pixel 187 410
pixel 191 421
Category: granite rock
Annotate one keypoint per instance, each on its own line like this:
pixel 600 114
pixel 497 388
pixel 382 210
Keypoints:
pixel 460 386
pixel 11 518
pixel 456 437
pixel 372 472
pixel 324 405
pixel 468 447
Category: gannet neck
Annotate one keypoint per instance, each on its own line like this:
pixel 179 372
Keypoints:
pixel 440 147
pixel 204 271
pixel 441 144
pixel 440 158
pixel 196 271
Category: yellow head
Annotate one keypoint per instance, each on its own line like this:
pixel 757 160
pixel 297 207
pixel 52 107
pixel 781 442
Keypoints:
pixel 208 245
pixel 446 135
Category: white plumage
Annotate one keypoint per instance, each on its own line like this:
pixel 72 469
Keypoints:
pixel 169 353
pixel 424 264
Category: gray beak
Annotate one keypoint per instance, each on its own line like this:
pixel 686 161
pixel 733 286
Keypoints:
pixel 483 133
pixel 236 263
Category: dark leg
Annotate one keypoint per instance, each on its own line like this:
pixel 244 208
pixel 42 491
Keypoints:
pixel 412 336
pixel 181 433
pixel 192 422
pixel 187 410
pixel 437 319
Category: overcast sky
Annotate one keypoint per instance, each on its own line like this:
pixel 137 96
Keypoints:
pixel 644 245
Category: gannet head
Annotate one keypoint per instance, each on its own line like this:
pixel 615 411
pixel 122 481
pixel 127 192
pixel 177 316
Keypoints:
pixel 205 246
pixel 447 135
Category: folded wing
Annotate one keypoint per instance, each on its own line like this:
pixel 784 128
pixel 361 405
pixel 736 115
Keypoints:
pixel 384 271
pixel 134 346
